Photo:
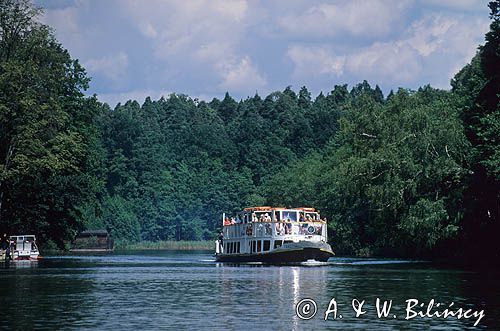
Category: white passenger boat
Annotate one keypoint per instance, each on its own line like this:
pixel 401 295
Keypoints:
pixel 24 248
pixel 273 234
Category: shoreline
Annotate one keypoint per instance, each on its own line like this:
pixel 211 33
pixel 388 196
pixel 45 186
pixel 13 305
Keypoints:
pixel 186 245
pixel 183 245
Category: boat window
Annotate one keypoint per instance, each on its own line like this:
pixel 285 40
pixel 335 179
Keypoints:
pixel 312 217
pixel 267 245
pixel 278 243
pixel 259 246
pixel 238 247
pixel 277 215
pixel 253 246
pixel 290 216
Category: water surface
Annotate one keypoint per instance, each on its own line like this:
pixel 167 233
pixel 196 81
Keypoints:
pixel 189 290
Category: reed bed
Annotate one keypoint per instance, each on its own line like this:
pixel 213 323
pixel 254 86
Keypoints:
pixel 173 245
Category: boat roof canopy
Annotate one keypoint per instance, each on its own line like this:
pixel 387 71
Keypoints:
pixel 93 233
pixel 22 236
pixel 269 208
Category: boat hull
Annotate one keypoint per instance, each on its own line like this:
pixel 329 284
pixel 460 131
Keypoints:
pixel 26 258
pixel 288 253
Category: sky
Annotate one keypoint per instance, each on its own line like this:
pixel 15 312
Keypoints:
pixel 132 49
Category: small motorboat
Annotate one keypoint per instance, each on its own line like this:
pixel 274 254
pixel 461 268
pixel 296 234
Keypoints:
pixel 23 248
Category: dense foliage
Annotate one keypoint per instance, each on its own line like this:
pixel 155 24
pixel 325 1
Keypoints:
pixel 416 173
pixel 47 131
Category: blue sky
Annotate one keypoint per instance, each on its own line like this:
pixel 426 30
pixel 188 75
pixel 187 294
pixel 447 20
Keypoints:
pixel 203 48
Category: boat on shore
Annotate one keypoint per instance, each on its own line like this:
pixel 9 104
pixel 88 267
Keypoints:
pixel 22 248
pixel 273 235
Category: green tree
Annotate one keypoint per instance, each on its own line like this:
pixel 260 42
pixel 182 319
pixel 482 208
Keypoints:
pixel 478 87
pixel 47 133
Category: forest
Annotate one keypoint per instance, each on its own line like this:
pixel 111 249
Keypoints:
pixel 415 173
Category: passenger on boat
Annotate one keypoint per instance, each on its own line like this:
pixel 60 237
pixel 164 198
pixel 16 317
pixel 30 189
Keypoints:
pixel 4 243
pixel 221 240
pixel 233 221
pixel 267 218
pixel 269 232
pixel 280 229
pixel 227 221
pixel 301 218
pixel 254 217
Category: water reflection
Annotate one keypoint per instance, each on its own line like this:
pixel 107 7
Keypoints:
pixel 190 291
pixel 32 297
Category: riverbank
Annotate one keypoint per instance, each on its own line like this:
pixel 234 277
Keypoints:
pixel 173 245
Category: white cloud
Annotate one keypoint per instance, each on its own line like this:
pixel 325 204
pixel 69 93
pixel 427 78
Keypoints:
pixel 315 60
pixel 472 5
pixel 202 32
pixel 112 66
pixel 65 23
pixel 113 99
pixel 428 48
pixel 204 47
pixel 396 62
pixel 357 17
pixel 179 26
pixel 241 76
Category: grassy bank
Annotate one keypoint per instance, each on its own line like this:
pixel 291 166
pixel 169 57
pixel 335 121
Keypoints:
pixel 174 245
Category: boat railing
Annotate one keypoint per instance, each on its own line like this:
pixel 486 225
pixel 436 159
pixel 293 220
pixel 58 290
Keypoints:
pixel 275 229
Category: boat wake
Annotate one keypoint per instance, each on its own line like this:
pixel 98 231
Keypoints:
pixel 362 262
pixel 313 263
pixel 208 260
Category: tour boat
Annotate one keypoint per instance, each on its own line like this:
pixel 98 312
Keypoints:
pixel 274 235
pixel 24 248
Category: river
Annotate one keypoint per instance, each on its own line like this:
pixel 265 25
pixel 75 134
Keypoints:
pixel 182 290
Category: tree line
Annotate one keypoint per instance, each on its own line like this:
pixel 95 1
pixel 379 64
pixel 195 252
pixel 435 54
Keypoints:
pixel 413 173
